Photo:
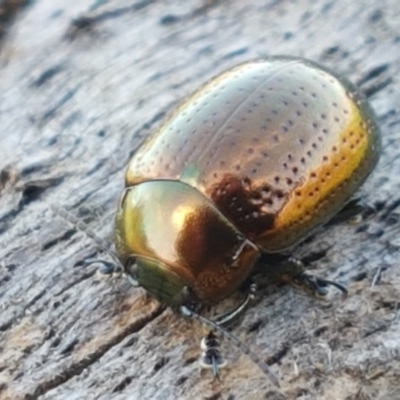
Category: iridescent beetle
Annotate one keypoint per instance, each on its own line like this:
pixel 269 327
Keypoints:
pixel 249 165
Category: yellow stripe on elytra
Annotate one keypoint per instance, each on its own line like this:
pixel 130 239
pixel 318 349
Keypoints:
pixel 338 167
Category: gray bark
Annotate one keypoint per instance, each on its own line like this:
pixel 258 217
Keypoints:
pixel 82 84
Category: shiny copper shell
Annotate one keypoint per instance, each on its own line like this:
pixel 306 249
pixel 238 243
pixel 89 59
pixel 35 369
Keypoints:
pixel 278 145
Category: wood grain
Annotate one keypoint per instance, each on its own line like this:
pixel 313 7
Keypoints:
pixel 82 85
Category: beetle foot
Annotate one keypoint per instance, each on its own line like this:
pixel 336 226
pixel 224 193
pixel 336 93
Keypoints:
pixel 211 357
pixel 317 286
pixel 105 269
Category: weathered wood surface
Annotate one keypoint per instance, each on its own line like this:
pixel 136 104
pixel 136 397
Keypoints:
pixel 81 85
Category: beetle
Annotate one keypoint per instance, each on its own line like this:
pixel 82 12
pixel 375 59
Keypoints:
pixel 248 166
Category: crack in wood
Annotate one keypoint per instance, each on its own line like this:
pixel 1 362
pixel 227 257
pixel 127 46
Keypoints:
pixel 78 367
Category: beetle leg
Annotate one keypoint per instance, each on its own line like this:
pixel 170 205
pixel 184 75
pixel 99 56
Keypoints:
pixel 294 272
pixel 105 268
pixel 187 312
pixel 310 283
pixel 317 286
pixel 211 357
pixel 237 312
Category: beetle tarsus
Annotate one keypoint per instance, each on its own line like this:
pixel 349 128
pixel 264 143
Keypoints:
pixel 105 267
pixel 317 286
pixel 187 312
pixel 293 271
pixel 211 356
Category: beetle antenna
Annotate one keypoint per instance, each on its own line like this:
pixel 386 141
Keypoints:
pixel 81 226
pixel 188 312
